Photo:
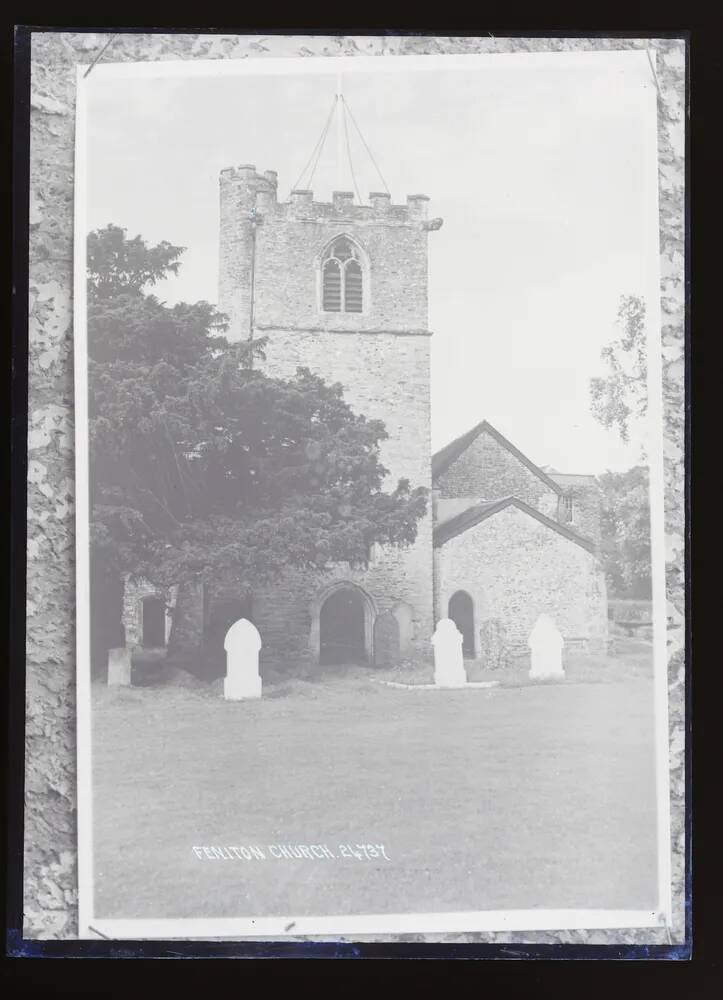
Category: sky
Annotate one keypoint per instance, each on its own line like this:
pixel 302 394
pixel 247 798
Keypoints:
pixel 542 168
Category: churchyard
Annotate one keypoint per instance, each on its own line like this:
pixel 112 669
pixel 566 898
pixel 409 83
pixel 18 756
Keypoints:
pixel 522 795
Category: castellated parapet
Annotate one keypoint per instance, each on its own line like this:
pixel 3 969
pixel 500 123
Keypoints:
pixel 270 253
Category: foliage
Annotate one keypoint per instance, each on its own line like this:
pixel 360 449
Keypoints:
pixel 203 465
pixel 621 396
pixel 116 264
pixel 625 523
pixel 630 610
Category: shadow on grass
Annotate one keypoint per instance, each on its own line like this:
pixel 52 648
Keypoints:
pixel 633 659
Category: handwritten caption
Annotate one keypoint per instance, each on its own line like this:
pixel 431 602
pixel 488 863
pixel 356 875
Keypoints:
pixel 291 852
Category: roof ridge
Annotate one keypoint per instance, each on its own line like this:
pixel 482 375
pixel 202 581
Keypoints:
pixel 478 505
pixel 478 512
pixel 440 456
pixel 443 459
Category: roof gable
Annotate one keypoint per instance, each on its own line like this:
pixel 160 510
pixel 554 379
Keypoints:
pixel 445 457
pixel 568 479
pixel 481 511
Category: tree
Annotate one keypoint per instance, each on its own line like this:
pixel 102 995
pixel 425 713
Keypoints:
pixel 621 396
pixel 618 400
pixel 117 265
pixel 625 523
pixel 203 465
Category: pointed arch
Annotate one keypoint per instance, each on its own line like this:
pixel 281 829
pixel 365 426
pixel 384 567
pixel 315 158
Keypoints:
pixel 461 610
pixel 368 611
pixel 343 266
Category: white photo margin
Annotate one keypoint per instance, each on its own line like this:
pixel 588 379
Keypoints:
pixel 331 926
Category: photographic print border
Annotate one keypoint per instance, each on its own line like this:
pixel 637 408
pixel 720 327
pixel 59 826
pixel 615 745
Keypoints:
pixel 50 863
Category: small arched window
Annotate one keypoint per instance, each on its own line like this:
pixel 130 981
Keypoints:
pixel 342 278
pixel 461 610
pixel 566 507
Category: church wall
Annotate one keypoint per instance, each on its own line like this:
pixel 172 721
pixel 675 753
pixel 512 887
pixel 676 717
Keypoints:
pixel 488 471
pixel 270 282
pixel 269 255
pixel 284 612
pixel 134 590
pixel 448 507
pixel 586 512
pixel 515 568
pixel 385 376
pixel 396 279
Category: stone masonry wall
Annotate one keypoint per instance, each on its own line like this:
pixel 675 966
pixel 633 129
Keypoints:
pixel 586 512
pixel 380 356
pixel 486 470
pixel 290 239
pixel 387 377
pixel 286 612
pixel 394 271
pixel 134 590
pixel 515 568
pixel 238 195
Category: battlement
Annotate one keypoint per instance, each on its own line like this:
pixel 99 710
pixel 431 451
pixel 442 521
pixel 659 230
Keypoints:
pixel 271 253
pixel 258 192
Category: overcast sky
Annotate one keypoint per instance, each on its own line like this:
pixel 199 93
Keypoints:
pixel 538 166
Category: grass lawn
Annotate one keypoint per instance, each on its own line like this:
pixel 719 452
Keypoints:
pixel 517 796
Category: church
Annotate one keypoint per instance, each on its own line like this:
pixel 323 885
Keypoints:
pixel 341 288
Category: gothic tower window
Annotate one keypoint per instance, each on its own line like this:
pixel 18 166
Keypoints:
pixel 342 277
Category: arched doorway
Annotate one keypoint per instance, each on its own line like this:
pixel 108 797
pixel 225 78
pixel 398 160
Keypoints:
pixel 461 611
pixel 343 627
pixel 153 634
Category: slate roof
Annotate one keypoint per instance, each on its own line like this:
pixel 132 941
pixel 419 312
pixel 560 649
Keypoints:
pixel 442 459
pixel 479 512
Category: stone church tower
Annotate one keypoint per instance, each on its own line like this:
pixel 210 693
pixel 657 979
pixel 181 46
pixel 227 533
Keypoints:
pixel 341 289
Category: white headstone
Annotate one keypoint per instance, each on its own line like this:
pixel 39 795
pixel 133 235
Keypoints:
pixel 545 644
pixel 242 645
pixel 448 659
pixel 119 666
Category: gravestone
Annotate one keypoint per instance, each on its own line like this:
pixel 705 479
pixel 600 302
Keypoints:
pixel 448 659
pixel 242 645
pixel 119 666
pixel 224 611
pixel 545 644
pixel 494 650
pixel 386 640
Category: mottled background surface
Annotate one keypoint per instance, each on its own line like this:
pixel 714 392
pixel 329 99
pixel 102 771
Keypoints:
pixel 50 875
